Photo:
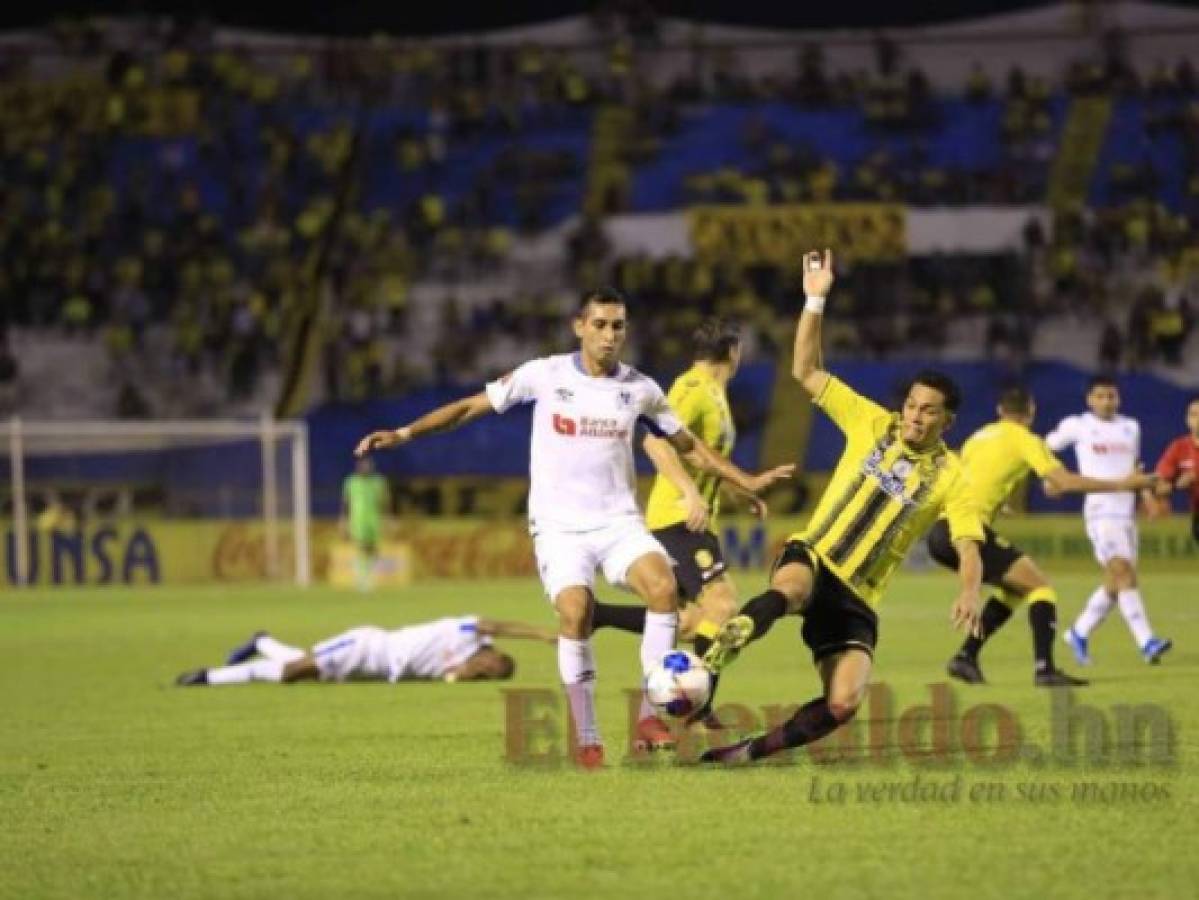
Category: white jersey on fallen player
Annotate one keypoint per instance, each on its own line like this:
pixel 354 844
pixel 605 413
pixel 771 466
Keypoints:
pixel 1104 449
pixel 425 651
pixel 581 471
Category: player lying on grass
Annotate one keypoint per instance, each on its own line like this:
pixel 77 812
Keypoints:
pixel 583 512
pixel 998 457
pixel 893 480
pixel 451 649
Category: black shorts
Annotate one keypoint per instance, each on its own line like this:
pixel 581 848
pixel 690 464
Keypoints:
pixel 997 552
pixel 697 558
pixel 836 618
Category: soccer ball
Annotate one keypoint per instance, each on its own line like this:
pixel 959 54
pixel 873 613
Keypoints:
pixel 679 685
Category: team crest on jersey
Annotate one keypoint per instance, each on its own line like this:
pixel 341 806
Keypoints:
pixel 566 395
pixel 892 483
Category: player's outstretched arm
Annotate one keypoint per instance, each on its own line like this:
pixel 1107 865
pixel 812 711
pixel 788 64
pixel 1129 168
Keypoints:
pixel 670 467
pixel 516 631
pixel 706 459
pixel 807 363
pixel 444 418
pixel 967 606
pixel 756 505
pixel 1063 481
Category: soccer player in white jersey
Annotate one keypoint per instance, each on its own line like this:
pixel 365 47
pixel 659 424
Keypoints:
pixel 450 649
pixel 1108 445
pixel 583 510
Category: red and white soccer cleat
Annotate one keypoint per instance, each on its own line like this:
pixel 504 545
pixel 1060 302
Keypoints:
pixel 653 734
pixel 590 756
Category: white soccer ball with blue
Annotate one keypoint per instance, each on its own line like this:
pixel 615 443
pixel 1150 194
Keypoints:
pixel 679 685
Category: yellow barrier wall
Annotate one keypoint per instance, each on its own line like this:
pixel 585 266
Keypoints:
pixel 155 551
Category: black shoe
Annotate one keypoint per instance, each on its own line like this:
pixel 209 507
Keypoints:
pixel 242 652
pixel 193 678
pixel 1057 678
pixel 963 668
pixel 733 755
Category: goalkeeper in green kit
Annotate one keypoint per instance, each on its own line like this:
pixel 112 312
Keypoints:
pixel 364 502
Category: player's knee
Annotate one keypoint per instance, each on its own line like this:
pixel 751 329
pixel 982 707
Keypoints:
pixel 794 582
pixel 574 613
pixel 1122 573
pixel 845 707
pixel 661 591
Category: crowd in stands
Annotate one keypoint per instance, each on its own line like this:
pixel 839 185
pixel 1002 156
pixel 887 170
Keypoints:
pixel 235 201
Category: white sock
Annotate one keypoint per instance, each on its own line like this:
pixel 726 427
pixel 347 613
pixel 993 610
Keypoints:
pixel 1094 612
pixel 576 665
pixel 657 640
pixel 277 650
pixel 258 670
pixel 1134 614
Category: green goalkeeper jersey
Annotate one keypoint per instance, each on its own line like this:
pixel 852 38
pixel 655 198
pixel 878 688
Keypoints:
pixel 365 496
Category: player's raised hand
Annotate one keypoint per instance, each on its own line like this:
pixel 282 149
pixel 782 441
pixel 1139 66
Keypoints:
pixel 761 481
pixel 380 440
pixel 817 273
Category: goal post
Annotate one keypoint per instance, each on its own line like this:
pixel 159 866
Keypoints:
pixel 173 501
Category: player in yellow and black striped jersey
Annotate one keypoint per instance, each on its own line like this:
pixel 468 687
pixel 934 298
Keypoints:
pixel 684 501
pixel 893 480
pixel 998 457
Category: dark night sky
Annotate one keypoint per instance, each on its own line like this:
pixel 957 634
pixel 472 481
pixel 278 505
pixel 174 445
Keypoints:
pixel 422 17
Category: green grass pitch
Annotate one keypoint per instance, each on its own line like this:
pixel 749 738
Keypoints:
pixel 115 784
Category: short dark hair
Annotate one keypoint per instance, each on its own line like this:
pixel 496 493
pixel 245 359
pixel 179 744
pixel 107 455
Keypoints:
pixel 602 296
pixel 940 382
pixel 715 339
pixel 1015 400
pixel 1101 381
pixel 507 666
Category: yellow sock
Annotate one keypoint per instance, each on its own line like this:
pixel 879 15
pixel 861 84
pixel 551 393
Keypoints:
pixel 707 628
pixel 1044 594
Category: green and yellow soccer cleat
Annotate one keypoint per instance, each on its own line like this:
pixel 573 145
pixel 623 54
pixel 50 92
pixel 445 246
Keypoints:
pixel 733 635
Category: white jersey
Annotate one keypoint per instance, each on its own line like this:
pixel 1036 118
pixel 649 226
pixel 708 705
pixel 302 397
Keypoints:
pixel 1104 450
pixel 581 475
pixel 432 649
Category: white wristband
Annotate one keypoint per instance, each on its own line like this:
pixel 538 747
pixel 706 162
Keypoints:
pixel 815 305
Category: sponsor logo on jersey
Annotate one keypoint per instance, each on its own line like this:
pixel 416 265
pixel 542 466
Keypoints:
pixel 589 427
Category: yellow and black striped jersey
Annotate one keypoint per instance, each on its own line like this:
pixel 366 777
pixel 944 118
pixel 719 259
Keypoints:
pixel 702 406
pixel 998 457
pixel 883 495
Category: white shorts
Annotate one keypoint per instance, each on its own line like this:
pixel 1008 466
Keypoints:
pixel 570 558
pixel 359 652
pixel 1113 539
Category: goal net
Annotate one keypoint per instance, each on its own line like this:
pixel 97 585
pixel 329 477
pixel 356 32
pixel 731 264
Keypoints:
pixel 96 502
